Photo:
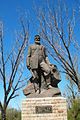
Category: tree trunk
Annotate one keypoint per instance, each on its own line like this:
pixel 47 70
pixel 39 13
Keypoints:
pixel 3 114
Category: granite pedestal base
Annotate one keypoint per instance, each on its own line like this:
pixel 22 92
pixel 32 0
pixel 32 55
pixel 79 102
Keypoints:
pixel 48 108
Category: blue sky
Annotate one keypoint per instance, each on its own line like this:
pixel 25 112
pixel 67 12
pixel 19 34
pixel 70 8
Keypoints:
pixel 9 14
pixel 10 11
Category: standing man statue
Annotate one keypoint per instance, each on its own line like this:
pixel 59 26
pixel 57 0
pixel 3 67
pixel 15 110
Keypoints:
pixel 38 63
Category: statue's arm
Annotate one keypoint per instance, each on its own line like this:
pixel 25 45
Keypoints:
pixel 28 58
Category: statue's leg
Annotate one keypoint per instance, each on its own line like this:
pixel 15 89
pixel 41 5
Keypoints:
pixel 35 86
pixel 48 81
pixel 36 80
pixel 39 79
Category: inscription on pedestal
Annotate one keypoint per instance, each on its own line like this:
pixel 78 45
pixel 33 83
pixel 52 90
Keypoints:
pixel 43 109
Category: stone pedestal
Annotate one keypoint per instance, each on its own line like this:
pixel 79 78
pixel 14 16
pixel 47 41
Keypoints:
pixel 48 108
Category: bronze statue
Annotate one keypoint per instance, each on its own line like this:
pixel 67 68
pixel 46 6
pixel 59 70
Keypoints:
pixel 42 70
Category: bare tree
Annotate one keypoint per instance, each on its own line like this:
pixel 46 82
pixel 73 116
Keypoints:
pixel 57 29
pixel 13 63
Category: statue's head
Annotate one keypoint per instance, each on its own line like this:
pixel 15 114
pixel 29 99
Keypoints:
pixel 37 39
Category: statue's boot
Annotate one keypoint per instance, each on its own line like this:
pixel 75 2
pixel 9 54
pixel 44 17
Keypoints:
pixel 48 82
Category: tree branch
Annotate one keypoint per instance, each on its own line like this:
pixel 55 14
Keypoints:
pixel 1 105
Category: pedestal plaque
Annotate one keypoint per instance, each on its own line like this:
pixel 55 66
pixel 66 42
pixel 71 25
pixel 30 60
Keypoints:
pixel 43 109
pixel 48 108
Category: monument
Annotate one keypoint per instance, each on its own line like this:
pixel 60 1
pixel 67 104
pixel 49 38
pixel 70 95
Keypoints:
pixel 44 99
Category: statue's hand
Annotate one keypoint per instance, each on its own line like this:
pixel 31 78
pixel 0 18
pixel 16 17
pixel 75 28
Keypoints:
pixel 29 67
